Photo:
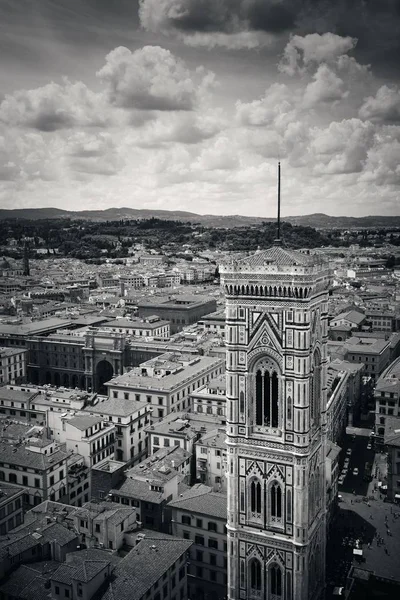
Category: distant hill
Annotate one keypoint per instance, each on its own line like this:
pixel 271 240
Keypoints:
pixel 317 220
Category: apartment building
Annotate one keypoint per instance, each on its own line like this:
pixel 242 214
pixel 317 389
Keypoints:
pixel 180 429
pixel 387 399
pixel 166 382
pixel 211 460
pixel 130 418
pixel 210 399
pixel 12 365
pixel 200 515
pixel 151 327
pixel 40 471
pixel 103 524
pixel 90 436
pixel 180 311
pixel 214 323
pixel 373 352
pixel 11 507
pixel 148 487
pixel 392 446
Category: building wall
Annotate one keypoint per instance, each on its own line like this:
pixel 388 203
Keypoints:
pixel 11 512
pixel 13 366
pixel 207 572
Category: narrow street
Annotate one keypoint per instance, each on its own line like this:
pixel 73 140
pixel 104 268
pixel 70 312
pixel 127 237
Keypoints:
pixel 364 520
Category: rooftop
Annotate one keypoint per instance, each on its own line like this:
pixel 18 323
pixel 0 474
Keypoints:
pixel 202 500
pixel 186 425
pixel 83 422
pixel 118 407
pixel 34 328
pixel 366 345
pixel 392 431
pixel 19 455
pixel 135 379
pixel 144 565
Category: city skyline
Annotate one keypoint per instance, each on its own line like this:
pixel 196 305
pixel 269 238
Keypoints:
pixel 189 105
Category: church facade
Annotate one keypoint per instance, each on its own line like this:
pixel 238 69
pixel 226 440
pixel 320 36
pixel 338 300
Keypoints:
pixel 276 333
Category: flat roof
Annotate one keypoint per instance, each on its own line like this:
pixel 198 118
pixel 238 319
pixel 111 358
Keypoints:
pixel 35 327
pixel 116 406
pixel 135 380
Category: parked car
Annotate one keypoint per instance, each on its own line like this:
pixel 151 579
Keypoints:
pixel 349 451
pixel 341 480
pixel 355 471
pixel 346 463
pixel 369 447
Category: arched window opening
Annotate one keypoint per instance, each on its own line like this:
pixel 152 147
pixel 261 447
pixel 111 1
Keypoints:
pixel 289 408
pixel 276 501
pixel 255 497
pixel 275 581
pixel 255 575
pixel 288 585
pixel 289 505
pixel 241 402
pixel 267 388
pixel 242 573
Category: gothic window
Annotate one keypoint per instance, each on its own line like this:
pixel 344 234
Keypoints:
pixel 275 493
pixel 255 575
pixel 255 497
pixel 315 399
pixel 242 573
pixel 288 585
pixel 241 402
pixel 289 505
pixel 289 408
pixel 267 398
pixel 275 581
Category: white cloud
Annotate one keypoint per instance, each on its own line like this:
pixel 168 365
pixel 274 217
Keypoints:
pixel 384 106
pixel 276 104
pixel 54 107
pixel 222 155
pixel 326 87
pixel 383 163
pixel 248 40
pixel 151 78
pixel 92 153
pixel 342 147
pixel 313 49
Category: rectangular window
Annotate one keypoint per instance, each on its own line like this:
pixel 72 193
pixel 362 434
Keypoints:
pixel 199 523
pixel 212 543
pixel 186 520
pixel 199 540
pixel 212 526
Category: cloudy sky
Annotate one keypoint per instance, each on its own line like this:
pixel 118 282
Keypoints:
pixel 189 104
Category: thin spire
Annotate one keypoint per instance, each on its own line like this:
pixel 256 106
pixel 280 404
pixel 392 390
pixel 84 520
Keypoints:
pixel 278 240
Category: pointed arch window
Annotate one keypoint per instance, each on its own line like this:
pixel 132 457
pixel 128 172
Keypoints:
pixel 275 502
pixel 289 408
pixel 241 402
pixel 275 581
pixel 255 497
pixel 255 575
pixel 267 398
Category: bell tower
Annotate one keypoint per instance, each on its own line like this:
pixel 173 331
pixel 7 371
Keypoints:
pixel 276 332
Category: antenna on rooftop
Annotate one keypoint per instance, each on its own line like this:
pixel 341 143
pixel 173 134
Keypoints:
pixel 278 240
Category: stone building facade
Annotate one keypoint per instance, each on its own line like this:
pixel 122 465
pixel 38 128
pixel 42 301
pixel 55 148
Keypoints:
pixel 276 309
